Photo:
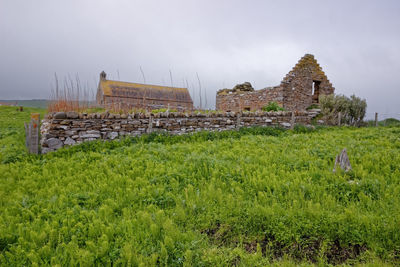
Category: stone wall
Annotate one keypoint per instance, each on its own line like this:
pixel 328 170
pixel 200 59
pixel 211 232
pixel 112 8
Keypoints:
pixel 70 128
pixel 250 101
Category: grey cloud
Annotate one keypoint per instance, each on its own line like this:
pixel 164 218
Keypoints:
pixel 226 42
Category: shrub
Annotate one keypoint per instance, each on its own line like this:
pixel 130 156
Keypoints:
pixel 272 106
pixel 352 109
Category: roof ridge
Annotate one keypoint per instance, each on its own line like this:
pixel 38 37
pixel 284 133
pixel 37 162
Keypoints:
pixel 144 84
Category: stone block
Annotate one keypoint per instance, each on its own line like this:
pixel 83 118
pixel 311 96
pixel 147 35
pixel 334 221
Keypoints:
pixel 69 141
pixel 72 115
pixel 60 115
pixel 112 135
pixel 54 143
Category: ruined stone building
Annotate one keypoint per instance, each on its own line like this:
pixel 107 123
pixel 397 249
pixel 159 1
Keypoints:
pixel 125 95
pixel 299 89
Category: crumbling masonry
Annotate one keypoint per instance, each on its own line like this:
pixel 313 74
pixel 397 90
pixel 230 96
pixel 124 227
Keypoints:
pixel 299 89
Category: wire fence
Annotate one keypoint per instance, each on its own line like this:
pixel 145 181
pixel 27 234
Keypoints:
pixel 382 116
pixel 382 119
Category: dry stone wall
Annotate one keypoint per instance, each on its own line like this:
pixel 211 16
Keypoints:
pixel 70 128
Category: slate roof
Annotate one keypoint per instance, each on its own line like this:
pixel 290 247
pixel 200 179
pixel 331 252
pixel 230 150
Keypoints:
pixel 147 91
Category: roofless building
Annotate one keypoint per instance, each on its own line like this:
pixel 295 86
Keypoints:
pixel 298 90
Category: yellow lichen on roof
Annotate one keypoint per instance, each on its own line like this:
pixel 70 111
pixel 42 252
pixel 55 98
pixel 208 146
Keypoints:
pixel 106 86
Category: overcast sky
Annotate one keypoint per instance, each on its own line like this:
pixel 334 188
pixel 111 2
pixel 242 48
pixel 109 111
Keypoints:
pixel 357 43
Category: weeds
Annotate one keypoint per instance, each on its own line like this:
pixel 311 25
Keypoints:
pixel 251 197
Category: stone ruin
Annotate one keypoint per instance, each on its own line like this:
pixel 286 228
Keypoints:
pixel 298 90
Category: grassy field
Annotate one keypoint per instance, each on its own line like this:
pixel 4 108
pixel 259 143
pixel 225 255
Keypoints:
pixel 250 198
pixel 33 103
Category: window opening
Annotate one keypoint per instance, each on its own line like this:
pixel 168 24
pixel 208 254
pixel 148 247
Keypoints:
pixel 315 92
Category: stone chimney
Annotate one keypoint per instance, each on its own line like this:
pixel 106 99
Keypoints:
pixel 103 76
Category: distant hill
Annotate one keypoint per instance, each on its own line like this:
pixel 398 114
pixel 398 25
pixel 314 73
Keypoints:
pixel 33 103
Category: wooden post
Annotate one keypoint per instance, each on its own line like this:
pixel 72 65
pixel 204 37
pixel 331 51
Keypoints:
pixel 238 120
pixel 376 119
pixel 339 118
pixel 150 127
pixel 32 133
pixel 292 121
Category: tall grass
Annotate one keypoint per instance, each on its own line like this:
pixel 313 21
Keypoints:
pixel 70 96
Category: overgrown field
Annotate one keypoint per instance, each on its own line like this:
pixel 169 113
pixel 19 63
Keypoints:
pixel 251 197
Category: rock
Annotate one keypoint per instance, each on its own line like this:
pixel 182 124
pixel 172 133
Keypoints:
pixel 70 133
pixel 343 161
pixel 135 122
pixel 69 142
pixel 46 150
pixel 47 136
pixel 286 124
pixel 60 115
pixel 124 116
pixel 64 127
pixel 93 132
pixel 89 139
pixel 320 121
pixel 112 135
pixel 268 120
pixel 72 115
pixel 246 86
pixel 91 136
pixel 54 143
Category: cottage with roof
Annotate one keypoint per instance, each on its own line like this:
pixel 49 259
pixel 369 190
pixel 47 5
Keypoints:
pixel 299 89
pixel 125 95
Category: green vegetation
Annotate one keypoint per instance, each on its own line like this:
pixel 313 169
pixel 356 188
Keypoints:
pixel 385 122
pixel 251 197
pixel 313 106
pixel 163 110
pixel 272 106
pixel 352 109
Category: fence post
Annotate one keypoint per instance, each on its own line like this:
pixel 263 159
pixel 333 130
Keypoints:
pixel 32 133
pixel 150 127
pixel 238 120
pixel 292 120
pixel 376 119
pixel 340 118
